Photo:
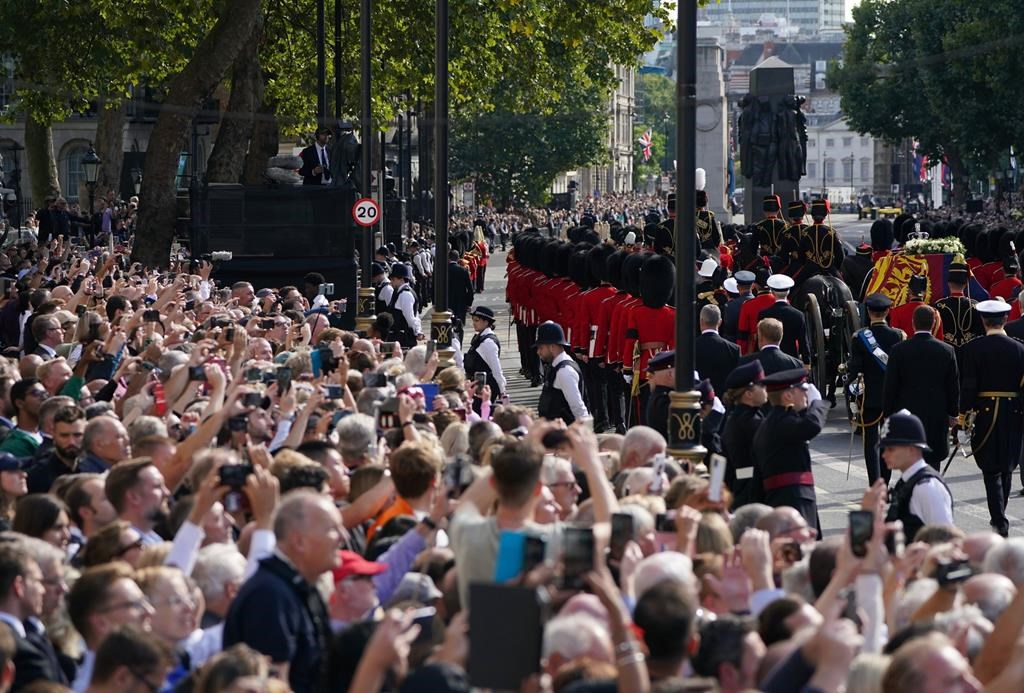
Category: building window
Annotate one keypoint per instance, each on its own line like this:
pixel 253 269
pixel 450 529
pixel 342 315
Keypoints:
pixel 811 144
pixel 865 169
pixel 830 142
pixel 812 170
pixel 865 141
pixel 848 169
pixel 847 141
pixel 71 168
pixel 6 80
pixel 830 169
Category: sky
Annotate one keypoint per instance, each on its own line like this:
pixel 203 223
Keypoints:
pixel 850 4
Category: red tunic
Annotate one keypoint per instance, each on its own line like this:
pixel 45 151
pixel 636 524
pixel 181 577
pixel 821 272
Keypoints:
pixel 604 322
pixel 746 332
pixel 902 317
pixel 589 315
pixel 1005 288
pixel 653 330
pixel 617 334
pixel 985 273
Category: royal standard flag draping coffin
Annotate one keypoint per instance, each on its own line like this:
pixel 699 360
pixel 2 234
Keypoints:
pixel 892 273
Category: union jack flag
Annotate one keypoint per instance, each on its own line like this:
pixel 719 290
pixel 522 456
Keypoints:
pixel 645 142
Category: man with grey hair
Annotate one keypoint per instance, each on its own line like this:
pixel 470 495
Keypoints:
pixel 556 474
pixel 745 518
pixel 357 434
pixel 989 592
pixel 218 573
pixel 105 443
pixel 146 426
pixel 714 356
pixel 279 611
pixel 639 446
pixel 568 638
pixel 1006 559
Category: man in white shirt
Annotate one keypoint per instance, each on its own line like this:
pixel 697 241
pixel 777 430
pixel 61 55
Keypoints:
pixel 921 497
pixel 562 395
pixel 402 306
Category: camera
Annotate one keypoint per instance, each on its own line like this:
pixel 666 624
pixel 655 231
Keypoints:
pixel 326 289
pixel 221 255
pixel 234 475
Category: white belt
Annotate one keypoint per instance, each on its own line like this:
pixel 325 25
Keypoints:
pixel 745 473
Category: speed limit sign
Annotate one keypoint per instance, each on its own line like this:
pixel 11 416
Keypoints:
pixel 366 211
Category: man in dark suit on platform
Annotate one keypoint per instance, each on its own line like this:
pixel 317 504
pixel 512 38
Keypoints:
pixel 773 359
pixel 316 165
pixel 793 325
pixel 460 290
pixel 922 377
pixel 714 356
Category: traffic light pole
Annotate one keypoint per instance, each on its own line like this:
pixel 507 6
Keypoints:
pixel 365 315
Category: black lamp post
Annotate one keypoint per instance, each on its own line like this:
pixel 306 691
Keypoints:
pixel 91 167
pixel 137 180
pixel 684 434
pixel 365 304
pixel 441 318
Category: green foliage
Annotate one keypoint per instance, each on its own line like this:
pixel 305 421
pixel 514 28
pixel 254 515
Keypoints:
pixel 936 71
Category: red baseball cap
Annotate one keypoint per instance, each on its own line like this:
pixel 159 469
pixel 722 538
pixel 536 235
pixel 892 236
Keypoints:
pixel 353 565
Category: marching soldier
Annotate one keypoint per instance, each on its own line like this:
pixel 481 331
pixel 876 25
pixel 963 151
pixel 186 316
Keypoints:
pixel 921 497
pixel 650 327
pixel 992 383
pixel 820 246
pixel 793 323
pixel 709 232
pixel 960 321
pixel 869 357
pixel 1009 286
pixel 782 458
pixel 562 394
pixel 769 232
pixel 903 316
pixel 745 395
pixel 746 334
pixel 731 315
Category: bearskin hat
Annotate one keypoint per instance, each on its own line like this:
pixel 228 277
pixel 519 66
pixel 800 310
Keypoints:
pixel 657 281
pixel 631 267
pixel 597 263
pixel 614 275
pixel 881 234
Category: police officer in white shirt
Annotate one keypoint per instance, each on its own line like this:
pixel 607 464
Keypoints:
pixel 402 307
pixel 921 496
pixel 562 394
pixel 484 354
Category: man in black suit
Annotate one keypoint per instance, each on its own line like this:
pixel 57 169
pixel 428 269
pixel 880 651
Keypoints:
pixel 922 377
pixel 23 601
pixel 773 359
pixel 460 290
pixel 316 166
pixel 714 356
pixel 869 358
pixel 793 325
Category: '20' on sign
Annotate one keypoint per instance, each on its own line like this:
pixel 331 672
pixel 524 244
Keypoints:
pixel 366 211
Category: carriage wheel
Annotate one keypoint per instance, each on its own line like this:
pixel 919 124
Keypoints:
pixel 816 342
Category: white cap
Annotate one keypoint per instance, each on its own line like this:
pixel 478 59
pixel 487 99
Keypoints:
pixel 993 307
pixel 731 286
pixel 630 238
pixel 707 268
pixel 780 282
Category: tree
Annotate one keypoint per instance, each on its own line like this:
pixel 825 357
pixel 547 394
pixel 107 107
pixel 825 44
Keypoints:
pixel 929 70
pixel 185 95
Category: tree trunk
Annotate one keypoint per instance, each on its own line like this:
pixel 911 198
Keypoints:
pixel 42 164
pixel 110 148
pixel 236 128
pixel 263 145
pixel 961 182
pixel 185 95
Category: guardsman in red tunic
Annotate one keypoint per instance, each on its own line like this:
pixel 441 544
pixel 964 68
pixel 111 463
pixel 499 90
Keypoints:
pixel 613 378
pixel 1009 286
pixel 902 317
pixel 651 328
pixel 746 335
pixel 588 318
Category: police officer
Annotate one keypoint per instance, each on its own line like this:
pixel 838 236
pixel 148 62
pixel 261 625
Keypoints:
pixel 562 394
pixel 920 497
pixel 745 397
pixel 782 458
pixel 661 378
pixel 869 357
pixel 402 307
pixel 484 355
pixel 381 286
pixel 960 321
pixel 991 387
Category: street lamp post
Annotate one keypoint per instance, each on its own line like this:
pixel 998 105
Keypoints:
pixel 441 318
pixel 365 302
pixel 91 168
pixel 684 402
pixel 853 160
pixel 824 158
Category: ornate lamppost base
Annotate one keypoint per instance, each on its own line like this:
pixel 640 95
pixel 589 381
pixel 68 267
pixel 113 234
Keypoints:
pixel 441 333
pixel 365 303
pixel 684 425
